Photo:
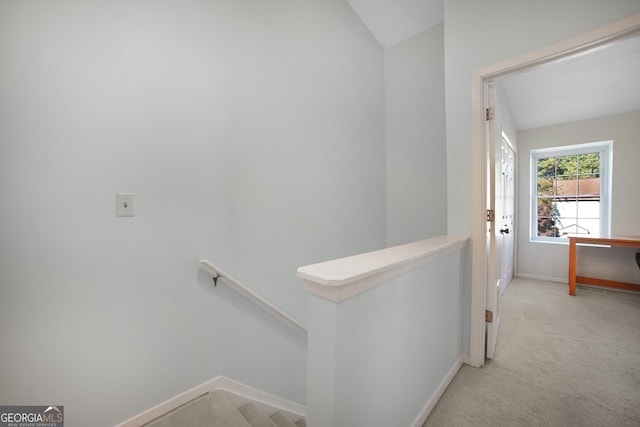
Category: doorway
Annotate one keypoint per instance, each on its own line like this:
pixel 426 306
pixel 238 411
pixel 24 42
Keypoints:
pixel 480 252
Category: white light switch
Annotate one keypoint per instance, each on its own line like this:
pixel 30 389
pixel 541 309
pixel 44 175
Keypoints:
pixel 124 204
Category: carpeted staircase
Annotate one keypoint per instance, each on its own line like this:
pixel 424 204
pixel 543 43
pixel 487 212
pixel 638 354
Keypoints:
pixel 216 409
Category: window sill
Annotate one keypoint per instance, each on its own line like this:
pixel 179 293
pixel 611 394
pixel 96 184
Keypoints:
pixel 560 241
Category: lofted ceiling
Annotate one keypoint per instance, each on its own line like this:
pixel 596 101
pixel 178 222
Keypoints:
pixel 393 21
pixel 600 82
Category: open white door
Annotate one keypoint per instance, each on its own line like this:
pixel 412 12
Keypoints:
pixel 501 166
pixel 507 223
pixel 493 236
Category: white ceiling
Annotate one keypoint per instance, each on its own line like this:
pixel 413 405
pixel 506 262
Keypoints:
pixel 601 82
pixel 393 21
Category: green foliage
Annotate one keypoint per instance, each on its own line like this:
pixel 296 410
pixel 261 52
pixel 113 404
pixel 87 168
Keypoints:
pixel 548 218
pixel 569 167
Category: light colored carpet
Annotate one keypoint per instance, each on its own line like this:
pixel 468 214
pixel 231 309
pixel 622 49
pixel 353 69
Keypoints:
pixel 215 409
pixel 560 361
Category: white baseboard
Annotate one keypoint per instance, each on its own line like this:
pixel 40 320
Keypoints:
pixel 437 394
pixel 171 404
pixel 465 359
pixel 545 278
pixel 237 392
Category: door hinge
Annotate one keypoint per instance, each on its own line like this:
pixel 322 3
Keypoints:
pixel 489 113
pixel 491 215
pixel 488 316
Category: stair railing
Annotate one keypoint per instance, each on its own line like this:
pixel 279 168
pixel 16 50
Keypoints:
pixel 219 273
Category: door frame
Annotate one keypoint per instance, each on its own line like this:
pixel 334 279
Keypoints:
pixel 479 77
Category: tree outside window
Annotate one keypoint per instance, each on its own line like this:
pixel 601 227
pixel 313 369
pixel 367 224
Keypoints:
pixel 568 191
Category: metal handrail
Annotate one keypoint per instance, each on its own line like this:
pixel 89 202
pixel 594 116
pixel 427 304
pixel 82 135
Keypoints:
pixel 219 273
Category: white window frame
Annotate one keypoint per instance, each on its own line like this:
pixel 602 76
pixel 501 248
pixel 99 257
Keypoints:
pixel 605 148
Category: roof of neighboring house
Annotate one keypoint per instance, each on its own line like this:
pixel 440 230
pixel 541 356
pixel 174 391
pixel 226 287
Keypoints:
pixel 571 187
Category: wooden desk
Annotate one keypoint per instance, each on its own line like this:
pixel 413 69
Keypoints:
pixel 629 242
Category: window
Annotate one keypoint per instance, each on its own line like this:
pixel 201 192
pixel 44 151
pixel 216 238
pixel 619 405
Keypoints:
pixel 570 191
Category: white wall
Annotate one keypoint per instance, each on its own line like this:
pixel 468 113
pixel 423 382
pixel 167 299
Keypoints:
pixel 381 355
pixel 252 134
pixel 551 260
pixel 415 136
pixel 503 117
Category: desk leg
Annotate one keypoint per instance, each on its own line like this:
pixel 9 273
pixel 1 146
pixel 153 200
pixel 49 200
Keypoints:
pixel 572 267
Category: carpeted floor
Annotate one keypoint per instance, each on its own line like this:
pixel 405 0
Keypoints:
pixel 560 361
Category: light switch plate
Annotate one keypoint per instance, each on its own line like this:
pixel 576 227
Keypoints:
pixel 124 204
